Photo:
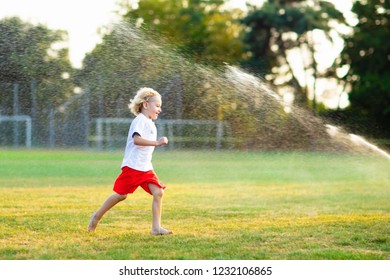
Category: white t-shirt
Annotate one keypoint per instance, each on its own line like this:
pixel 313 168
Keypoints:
pixel 140 157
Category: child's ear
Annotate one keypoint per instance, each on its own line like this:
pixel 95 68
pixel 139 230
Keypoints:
pixel 145 105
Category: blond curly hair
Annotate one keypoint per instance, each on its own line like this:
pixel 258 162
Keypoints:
pixel 142 95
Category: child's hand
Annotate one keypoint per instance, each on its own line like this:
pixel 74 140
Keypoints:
pixel 162 141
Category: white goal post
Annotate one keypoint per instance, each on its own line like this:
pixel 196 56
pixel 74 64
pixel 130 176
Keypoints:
pixel 16 120
pixel 205 132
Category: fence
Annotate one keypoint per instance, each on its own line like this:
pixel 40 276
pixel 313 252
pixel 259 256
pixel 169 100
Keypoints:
pixel 80 120
pixel 207 134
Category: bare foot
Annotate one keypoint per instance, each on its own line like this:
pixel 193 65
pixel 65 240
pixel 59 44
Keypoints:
pixel 162 231
pixel 93 222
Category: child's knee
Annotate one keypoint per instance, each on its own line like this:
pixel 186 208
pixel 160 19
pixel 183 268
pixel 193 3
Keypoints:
pixel 157 192
pixel 160 192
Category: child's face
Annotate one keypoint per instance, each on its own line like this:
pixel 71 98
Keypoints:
pixel 152 107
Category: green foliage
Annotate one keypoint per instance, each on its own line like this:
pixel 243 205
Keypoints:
pixel 29 52
pixel 200 29
pixel 23 49
pixel 367 54
pixel 278 27
pixel 221 205
pixel 33 53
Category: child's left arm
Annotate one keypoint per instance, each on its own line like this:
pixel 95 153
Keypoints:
pixel 138 140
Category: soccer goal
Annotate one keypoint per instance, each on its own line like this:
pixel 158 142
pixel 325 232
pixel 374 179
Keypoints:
pixel 12 132
pixel 207 134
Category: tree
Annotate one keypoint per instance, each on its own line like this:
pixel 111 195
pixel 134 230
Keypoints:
pixel 366 53
pixel 280 27
pixel 28 51
pixel 33 54
pixel 200 29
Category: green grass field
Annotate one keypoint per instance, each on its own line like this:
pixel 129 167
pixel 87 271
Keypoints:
pixel 221 205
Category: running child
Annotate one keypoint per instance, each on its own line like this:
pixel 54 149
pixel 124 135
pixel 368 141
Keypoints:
pixel 137 168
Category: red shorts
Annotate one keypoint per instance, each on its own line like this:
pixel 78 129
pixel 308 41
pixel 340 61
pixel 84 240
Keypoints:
pixel 130 179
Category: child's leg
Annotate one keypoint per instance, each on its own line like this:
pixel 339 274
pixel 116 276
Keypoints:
pixel 156 210
pixel 107 205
